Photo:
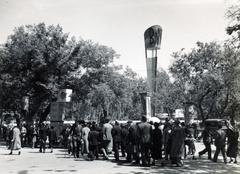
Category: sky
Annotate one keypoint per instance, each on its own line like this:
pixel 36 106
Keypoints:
pixel 120 24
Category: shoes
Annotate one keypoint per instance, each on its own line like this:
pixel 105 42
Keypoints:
pixel 10 153
pixel 105 158
pixel 199 155
pixel 19 153
pixel 235 162
pixel 179 164
pixel 230 161
pixel 51 151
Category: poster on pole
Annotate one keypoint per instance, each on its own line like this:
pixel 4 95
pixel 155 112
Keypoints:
pixel 152 37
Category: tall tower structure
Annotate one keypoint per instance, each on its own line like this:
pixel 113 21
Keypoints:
pixel 152 38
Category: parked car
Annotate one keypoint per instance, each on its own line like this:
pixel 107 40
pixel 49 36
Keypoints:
pixel 213 124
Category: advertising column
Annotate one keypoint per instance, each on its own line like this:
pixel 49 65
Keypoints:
pixel 152 38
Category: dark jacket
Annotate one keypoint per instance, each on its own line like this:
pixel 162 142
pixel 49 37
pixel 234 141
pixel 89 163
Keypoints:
pixel 52 135
pixel 124 135
pixel 116 133
pixel 93 138
pixel 43 133
pixel 207 138
pixel 220 138
pixel 145 131
pixel 133 136
pixel 178 136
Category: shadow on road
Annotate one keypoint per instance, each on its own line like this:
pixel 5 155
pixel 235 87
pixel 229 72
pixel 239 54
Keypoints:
pixel 190 167
pixel 198 166
pixel 23 172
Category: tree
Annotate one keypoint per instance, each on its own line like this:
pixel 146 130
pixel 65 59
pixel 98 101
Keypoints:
pixel 208 75
pixel 38 60
pixel 167 96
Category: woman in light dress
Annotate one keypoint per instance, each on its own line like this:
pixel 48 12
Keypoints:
pixel 16 140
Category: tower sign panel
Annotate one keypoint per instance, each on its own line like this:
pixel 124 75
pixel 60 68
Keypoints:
pixel 153 36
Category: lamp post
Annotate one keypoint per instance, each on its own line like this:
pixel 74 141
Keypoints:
pixel 152 38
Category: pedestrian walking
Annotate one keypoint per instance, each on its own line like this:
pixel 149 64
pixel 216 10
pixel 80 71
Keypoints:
pixel 85 144
pixel 177 147
pixel 232 144
pixel 23 135
pixel 220 140
pixel 167 140
pixel 93 138
pixel 16 139
pixel 207 140
pixel 52 136
pixel 189 141
pixel 43 133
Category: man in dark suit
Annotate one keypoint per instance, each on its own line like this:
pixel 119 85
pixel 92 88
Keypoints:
pixel 133 143
pixel 145 131
pixel 116 134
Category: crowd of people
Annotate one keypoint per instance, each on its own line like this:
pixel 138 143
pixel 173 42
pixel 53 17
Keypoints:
pixel 140 143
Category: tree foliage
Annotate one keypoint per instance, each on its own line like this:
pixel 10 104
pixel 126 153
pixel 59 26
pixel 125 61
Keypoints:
pixel 209 76
pixel 168 95
pixel 38 60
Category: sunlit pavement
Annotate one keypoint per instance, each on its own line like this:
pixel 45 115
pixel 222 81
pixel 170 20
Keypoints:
pixel 32 162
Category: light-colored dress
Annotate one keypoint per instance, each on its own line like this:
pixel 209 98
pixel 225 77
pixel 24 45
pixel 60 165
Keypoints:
pixel 16 140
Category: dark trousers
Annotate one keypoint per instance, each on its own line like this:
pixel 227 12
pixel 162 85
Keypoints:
pixel 76 143
pixel 133 153
pixel 123 149
pixel 218 149
pixel 157 151
pixel 24 140
pixel 42 145
pixel 145 153
pixel 116 146
pixel 191 147
pixel 207 150
pixel 93 152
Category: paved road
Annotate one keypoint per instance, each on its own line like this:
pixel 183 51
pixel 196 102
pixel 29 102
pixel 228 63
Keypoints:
pixel 33 162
